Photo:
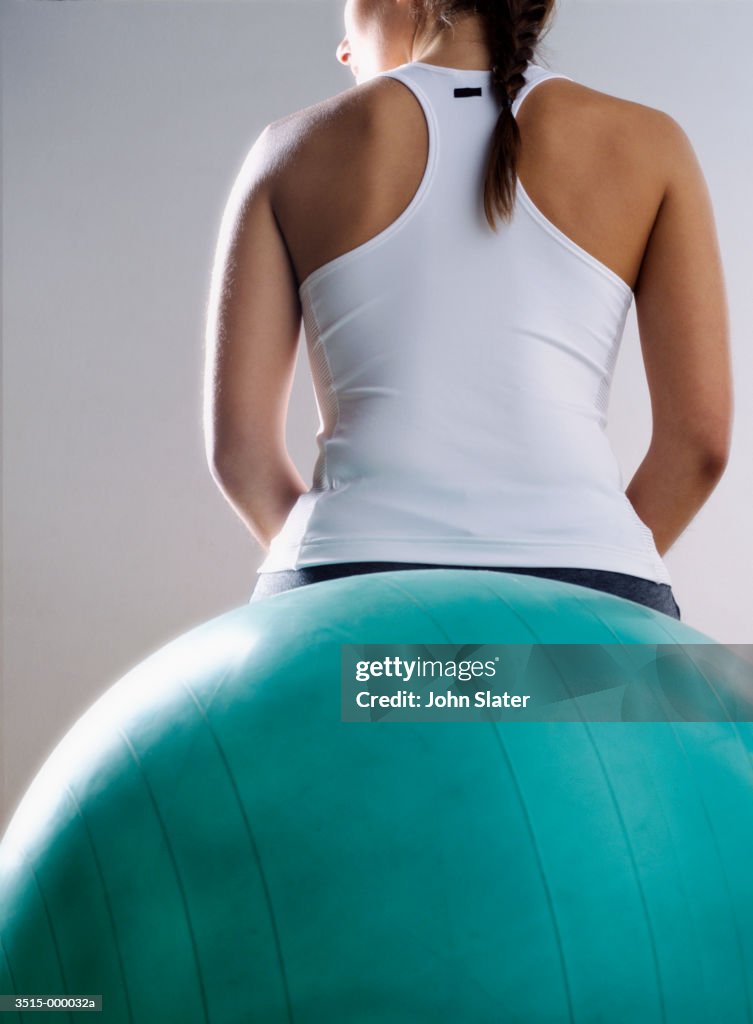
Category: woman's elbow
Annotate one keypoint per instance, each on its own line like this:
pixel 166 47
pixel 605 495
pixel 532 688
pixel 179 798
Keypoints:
pixel 715 461
pixel 239 464
pixel 704 445
pixel 718 441
pixel 225 466
pixel 713 453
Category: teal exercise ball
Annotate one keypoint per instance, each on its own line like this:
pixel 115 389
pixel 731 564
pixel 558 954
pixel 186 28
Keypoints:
pixel 213 842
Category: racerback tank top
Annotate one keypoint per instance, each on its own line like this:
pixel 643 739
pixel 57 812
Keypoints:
pixel 462 376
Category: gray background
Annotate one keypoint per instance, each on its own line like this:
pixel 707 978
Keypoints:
pixel 124 125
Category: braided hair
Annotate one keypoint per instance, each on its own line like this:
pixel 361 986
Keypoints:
pixel 514 29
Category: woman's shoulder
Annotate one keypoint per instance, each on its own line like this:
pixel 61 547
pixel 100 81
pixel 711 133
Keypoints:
pixel 343 110
pixel 610 128
pixel 552 89
pixel 336 131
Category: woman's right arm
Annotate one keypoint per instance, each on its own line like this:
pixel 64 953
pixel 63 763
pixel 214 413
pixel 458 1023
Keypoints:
pixel 681 306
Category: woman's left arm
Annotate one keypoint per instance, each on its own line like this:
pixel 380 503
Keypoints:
pixel 253 327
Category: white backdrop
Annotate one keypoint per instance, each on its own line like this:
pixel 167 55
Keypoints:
pixel 123 127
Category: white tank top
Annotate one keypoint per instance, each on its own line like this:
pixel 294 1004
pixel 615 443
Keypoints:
pixel 462 377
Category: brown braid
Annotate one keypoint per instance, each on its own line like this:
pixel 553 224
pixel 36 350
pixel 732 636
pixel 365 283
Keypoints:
pixel 514 29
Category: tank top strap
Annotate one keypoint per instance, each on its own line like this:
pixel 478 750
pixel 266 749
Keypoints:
pixel 535 74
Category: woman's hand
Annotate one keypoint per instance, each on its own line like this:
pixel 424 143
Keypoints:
pixel 262 494
pixel 669 488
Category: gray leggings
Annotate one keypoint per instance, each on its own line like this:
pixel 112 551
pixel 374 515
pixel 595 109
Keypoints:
pixel 654 595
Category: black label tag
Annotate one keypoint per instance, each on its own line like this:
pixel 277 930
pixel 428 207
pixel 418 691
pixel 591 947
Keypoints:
pixel 468 92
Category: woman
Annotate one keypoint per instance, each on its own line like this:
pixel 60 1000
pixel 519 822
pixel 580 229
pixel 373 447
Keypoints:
pixel 464 263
